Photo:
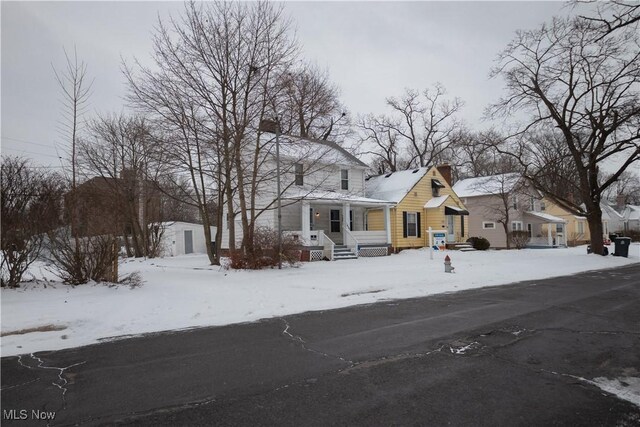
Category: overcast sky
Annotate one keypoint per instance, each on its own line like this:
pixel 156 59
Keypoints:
pixel 372 51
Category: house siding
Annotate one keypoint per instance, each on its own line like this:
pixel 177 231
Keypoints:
pixel 414 201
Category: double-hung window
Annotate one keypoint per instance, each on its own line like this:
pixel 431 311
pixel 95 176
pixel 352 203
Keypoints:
pixel 344 179
pixel 299 174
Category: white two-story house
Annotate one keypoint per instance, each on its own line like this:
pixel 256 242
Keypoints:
pixel 323 201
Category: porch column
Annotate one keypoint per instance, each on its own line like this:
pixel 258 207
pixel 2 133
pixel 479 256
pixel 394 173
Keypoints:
pixel 549 238
pixel 306 222
pixel 345 221
pixel 387 222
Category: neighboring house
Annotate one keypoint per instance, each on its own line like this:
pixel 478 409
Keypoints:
pixel 323 201
pixel 612 220
pixel 577 227
pixel 631 218
pixel 496 200
pixel 422 198
pixel 113 205
pixel 181 238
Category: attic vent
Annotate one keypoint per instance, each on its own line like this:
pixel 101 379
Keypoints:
pixel 415 171
pixel 388 175
pixel 367 178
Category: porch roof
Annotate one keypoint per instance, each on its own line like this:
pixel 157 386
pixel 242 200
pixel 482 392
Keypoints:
pixel 327 197
pixel 546 217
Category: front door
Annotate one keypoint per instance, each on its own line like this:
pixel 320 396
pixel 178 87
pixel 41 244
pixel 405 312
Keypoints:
pixel 188 241
pixel 451 227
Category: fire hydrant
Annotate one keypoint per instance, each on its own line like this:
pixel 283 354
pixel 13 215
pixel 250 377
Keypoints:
pixel 447 265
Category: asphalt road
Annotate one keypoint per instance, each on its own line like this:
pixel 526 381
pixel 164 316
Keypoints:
pixel 521 354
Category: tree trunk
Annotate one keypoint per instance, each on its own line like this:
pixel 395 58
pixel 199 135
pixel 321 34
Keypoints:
pixel 594 219
pixel 506 234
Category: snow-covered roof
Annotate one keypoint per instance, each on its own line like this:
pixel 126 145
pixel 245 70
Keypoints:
pixel 436 202
pixel 486 185
pixel 546 217
pixel 393 186
pixel 330 196
pixel 632 212
pixel 309 150
pixel 609 213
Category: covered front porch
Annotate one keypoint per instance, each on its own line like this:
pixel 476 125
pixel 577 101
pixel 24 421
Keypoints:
pixel 545 231
pixel 334 226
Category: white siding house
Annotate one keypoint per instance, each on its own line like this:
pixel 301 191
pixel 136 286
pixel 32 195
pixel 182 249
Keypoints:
pixel 323 201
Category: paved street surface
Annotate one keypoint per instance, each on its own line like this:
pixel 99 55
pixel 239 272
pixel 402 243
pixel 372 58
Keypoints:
pixel 522 354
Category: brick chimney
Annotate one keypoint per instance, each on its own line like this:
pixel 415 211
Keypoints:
pixel 445 171
pixel 620 202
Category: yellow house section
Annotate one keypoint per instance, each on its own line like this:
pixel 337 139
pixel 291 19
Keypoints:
pixel 414 202
pixel 576 229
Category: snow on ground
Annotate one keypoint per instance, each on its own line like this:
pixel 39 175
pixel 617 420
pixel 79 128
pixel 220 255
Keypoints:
pixel 185 291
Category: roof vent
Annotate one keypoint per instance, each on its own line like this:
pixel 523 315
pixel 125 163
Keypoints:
pixel 388 175
pixel 415 171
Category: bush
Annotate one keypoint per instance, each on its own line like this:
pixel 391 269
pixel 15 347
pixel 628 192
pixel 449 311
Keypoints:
pixel 264 251
pixel 519 238
pixel 479 243
pixel 78 260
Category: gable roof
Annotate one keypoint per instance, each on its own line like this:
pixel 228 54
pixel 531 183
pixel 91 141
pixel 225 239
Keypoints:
pixel 393 186
pixel 299 148
pixel 609 213
pixel 632 212
pixel 486 185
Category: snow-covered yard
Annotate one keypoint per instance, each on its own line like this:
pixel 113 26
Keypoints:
pixel 185 292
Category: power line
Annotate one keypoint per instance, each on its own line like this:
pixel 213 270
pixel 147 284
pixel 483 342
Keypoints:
pixel 27 142
pixel 31 152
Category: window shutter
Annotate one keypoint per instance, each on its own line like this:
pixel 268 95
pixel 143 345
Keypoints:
pixel 419 226
pixel 404 224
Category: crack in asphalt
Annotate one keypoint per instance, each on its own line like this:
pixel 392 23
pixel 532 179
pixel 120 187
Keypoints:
pixel 62 382
pixel 302 343
pixel 19 385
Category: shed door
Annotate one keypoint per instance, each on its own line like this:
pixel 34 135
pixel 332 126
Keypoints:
pixel 188 241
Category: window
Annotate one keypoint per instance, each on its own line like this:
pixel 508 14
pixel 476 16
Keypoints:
pixel 530 230
pixel 488 225
pixel 516 225
pixel 436 185
pixel 515 201
pixel 345 179
pixel 532 204
pixel 299 174
pixel 580 227
pixel 335 220
pixel 412 224
pixel 542 206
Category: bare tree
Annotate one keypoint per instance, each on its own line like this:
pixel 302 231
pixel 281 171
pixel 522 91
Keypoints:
pixel 378 136
pixel 122 151
pixel 31 201
pixel 420 127
pixel 217 73
pixel 310 105
pixel 613 15
pixel 567 77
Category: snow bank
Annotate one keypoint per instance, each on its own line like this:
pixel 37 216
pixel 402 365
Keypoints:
pixel 184 292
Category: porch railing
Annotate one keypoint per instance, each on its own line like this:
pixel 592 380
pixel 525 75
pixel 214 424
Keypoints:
pixel 370 237
pixel 328 247
pixel 350 241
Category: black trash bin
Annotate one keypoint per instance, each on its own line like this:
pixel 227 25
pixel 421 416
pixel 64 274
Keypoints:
pixel 622 246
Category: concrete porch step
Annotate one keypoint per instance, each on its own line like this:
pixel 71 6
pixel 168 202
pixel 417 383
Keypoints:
pixel 343 252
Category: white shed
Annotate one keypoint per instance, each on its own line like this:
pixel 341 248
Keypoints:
pixel 182 238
